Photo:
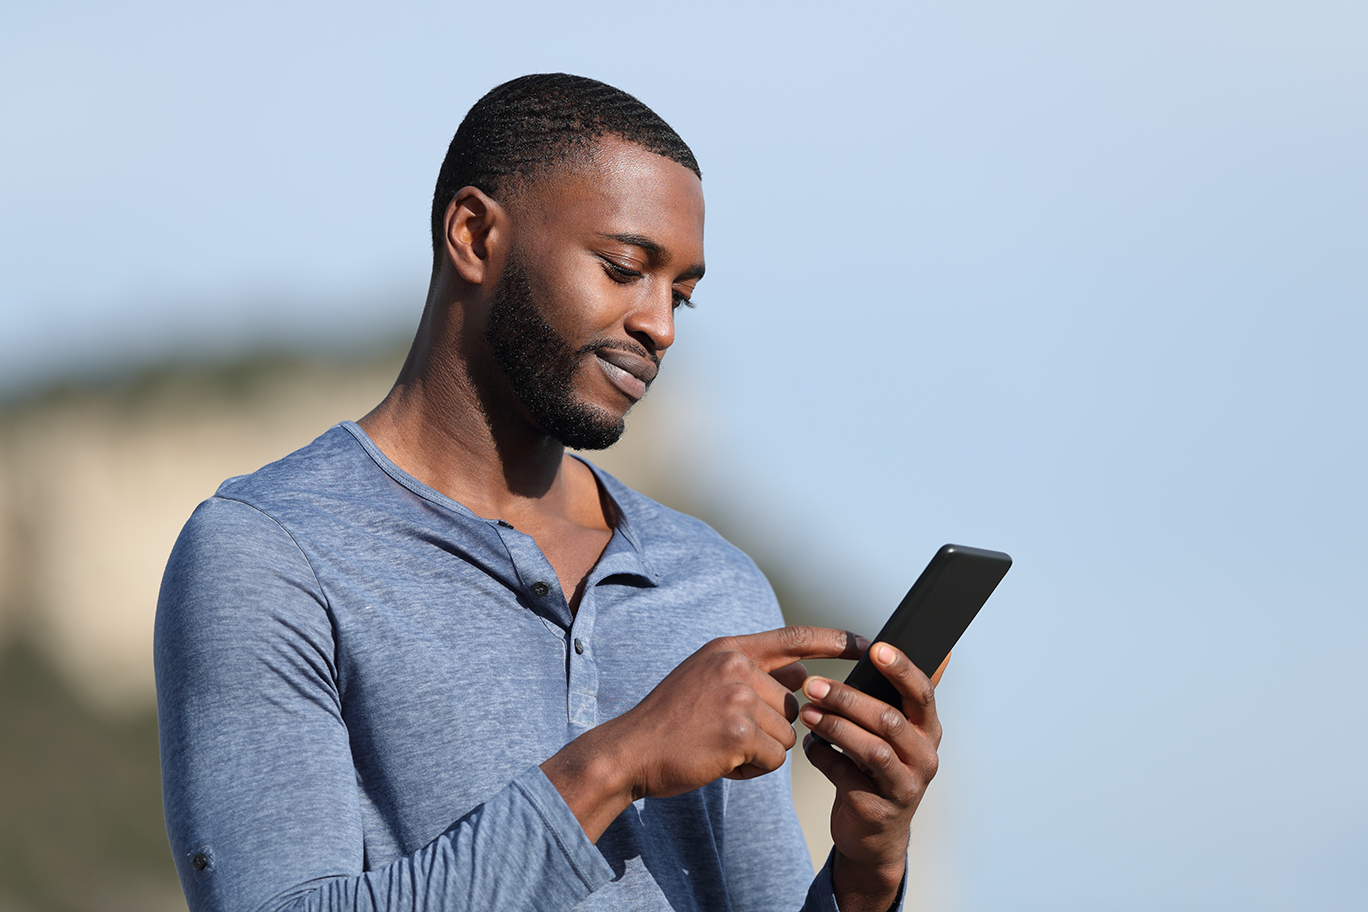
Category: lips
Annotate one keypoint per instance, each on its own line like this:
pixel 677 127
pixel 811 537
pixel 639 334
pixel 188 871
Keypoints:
pixel 629 372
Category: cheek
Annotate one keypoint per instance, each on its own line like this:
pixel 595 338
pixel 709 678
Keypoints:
pixel 581 307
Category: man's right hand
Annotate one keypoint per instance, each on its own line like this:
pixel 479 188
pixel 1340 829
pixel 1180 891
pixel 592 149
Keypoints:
pixel 727 710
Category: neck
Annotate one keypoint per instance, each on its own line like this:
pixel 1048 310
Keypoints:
pixel 440 423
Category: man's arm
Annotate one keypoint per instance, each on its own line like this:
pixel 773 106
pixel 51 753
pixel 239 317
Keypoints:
pixel 262 805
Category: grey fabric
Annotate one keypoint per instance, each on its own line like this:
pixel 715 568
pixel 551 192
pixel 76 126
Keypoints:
pixel 357 680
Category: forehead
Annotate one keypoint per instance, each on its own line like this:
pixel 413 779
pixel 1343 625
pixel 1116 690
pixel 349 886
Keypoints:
pixel 620 188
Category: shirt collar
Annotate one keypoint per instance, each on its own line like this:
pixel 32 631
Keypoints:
pixel 624 554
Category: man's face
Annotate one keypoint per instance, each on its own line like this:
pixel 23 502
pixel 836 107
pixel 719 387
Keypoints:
pixel 584 308
pixel 541 366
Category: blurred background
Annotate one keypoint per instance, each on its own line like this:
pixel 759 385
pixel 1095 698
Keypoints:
pixel 1084 282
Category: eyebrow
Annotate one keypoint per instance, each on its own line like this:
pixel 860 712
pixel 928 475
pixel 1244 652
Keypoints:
pixel 653 250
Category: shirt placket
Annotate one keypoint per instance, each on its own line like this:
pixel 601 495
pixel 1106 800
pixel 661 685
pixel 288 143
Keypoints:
pixel 583 667
pixel 541 590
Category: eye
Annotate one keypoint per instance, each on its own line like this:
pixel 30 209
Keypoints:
pixel 680 298
pixel 619 273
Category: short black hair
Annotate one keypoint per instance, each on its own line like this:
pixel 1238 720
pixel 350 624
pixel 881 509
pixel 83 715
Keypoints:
pixel 528 124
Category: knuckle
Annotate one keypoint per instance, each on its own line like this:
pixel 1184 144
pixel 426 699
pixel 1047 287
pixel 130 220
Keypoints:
pixel 891 722
pixel 923 691
pixel 910 796
pixel 738 698
pixel 796 638
pixel 882 758
pixel 737 728
pixel 929 766
pixel 735 664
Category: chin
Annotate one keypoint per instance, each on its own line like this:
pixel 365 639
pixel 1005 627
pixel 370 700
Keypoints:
pixel 581 426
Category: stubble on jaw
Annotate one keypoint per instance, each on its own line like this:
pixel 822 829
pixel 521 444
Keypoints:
pixel 540 366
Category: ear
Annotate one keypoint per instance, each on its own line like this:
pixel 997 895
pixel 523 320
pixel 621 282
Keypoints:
pixel 476 228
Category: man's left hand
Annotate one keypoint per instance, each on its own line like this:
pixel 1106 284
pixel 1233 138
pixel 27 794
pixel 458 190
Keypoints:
pixel 887 758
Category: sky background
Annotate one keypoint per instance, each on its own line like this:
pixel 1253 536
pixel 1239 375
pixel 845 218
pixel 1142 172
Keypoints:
pixel 1084 282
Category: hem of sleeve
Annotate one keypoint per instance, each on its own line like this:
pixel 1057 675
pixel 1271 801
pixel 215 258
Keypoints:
pixel 822 894
pixel 584 857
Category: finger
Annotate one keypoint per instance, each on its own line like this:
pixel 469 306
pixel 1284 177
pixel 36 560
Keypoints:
pixel 916 689
pixel 901 727
pixel 856 723
pixel 840 770
pixel 727 662
pixel 777 689
pixel 766 760
pixel 774 649
pixel 765 738
pixel 777 725
pixel 895 759
pixel 791 676
pixel 756 768
pixel 935 678
pixel 760 716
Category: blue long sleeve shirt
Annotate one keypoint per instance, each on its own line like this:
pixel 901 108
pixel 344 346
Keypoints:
pixel 358 678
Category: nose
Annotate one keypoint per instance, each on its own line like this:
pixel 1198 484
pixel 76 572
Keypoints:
pixel 652 321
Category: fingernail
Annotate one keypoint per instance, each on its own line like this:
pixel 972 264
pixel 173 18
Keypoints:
pixel 883 654
pixel 816 688
pixel 862 644
pixel 811 715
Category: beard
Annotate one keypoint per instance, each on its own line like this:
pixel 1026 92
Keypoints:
pixel 541 365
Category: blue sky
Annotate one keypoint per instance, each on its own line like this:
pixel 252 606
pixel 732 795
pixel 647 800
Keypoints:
pixel 1085 282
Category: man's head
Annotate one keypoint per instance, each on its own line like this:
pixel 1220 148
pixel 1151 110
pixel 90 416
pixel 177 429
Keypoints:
pixel 531 124
pixel 575 214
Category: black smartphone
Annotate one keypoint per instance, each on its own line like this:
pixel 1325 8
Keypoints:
pixel 934 614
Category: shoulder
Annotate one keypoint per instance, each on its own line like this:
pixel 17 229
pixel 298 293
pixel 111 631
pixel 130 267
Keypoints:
pixel 335 461
pixel 247 533
pixel 242 576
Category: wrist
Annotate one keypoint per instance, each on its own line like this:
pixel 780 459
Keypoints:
pixel 593 780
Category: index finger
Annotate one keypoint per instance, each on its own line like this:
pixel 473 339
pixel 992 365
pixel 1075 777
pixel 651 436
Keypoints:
pixel 776 648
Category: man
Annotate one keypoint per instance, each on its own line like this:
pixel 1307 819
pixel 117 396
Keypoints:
pixel 431 661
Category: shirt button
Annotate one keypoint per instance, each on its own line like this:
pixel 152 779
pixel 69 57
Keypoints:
pixel 199 862
pixel 579 646
pixel 539 588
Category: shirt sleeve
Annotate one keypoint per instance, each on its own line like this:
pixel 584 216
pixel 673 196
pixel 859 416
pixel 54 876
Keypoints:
pixel 260 794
